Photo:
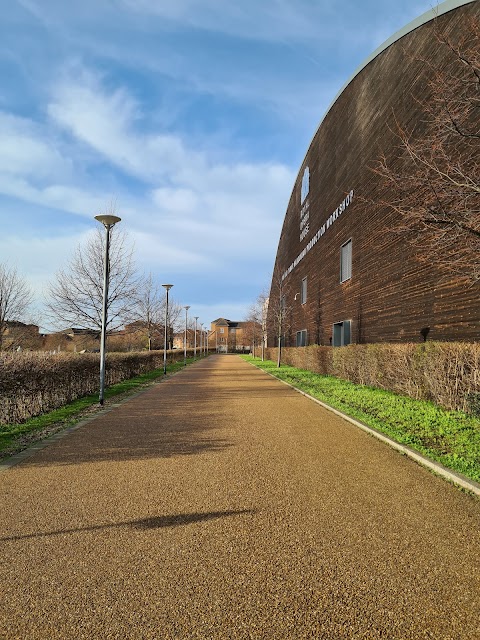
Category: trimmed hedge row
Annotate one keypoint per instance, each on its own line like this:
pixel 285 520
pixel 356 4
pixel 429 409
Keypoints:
pixel 35 383
pixel 446 373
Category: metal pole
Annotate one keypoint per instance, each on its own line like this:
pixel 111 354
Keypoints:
pixel 167 288
pixel 195 343
pixel 185 341
pixel 106 270
pixel 108 221
pixel 201 338
pixel 165 337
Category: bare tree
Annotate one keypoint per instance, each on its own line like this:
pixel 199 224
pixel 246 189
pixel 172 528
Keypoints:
pixel 148 310
pixel 150 313
pixel 75 297
pixel 175 322
pixel 255 322
pixel 279 312
pixel 15 298
pixel 433 181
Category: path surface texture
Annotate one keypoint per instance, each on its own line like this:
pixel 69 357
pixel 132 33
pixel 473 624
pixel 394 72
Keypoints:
pixel 222 504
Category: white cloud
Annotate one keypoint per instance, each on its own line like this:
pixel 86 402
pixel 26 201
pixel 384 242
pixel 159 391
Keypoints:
pixel 164 251
pixel 26 151
pixel 56 196
pixel 270 20
pixel 37 258
pixel 109 122
pixel 183 180
pixel 178 201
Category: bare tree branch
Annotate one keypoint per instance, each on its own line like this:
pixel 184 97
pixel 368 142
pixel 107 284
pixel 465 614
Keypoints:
pixel 433 178
pixel 15 298
pixel 75 296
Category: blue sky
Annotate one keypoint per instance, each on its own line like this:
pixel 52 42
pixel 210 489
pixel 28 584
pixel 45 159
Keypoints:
pixel 194 116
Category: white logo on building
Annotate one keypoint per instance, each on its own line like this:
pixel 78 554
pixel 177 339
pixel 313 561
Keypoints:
pixel 304 205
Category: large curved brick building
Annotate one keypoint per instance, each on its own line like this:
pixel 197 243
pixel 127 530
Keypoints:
pixel 342 272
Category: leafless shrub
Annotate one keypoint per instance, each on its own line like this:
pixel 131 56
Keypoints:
pixel 447 373
pixel 34 383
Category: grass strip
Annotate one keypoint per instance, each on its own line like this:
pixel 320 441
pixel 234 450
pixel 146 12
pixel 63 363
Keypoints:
pixel 449 437
pixel 14 437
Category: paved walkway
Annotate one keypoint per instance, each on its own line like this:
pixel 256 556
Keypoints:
pixel 222 504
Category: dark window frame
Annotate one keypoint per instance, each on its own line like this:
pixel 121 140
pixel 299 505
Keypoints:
pixel 342 333
pixel 303 290
pixel 346 261
pixel 302 342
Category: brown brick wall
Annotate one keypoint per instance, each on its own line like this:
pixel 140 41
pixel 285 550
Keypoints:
pixel 390 296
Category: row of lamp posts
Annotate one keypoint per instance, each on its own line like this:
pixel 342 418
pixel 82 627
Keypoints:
pixel 167 288
pixel 109 221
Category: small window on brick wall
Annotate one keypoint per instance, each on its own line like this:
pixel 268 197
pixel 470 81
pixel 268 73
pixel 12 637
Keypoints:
pixel 346 261
pixel 303 292
pixel 302 338
pixel 341 333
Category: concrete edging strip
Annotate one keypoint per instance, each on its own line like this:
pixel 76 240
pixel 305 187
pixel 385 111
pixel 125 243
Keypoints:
pixel 436 467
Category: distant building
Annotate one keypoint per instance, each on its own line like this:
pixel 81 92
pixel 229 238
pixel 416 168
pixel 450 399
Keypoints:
pixel 179 339
pixel 229 336
pixel 21 336
pixel 72 339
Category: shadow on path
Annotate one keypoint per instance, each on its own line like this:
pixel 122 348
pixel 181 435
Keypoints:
pixel 139 433
pixel 159 522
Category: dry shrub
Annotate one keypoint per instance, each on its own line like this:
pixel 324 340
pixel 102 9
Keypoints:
pixel 447 373
pixel 452 374
pixel 34 383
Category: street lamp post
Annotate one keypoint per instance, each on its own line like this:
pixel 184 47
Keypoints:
pixel 108 222
pixel 187 307
pixel 201 338
pixel 167 288
pixel 195 342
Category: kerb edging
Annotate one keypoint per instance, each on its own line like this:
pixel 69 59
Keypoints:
pixel 436 467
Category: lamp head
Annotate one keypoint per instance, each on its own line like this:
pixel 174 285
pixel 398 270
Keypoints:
pixel 107 220
pixel 187 307
pixel 167 286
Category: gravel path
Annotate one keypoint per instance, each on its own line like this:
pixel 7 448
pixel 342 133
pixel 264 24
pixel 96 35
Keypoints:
pixel 222 504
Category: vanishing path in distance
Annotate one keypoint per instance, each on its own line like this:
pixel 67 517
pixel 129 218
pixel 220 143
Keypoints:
pixel 221 504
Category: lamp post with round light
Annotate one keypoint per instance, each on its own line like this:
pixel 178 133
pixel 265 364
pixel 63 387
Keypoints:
pixel 187 307
pixel 167 288
pixel 108 222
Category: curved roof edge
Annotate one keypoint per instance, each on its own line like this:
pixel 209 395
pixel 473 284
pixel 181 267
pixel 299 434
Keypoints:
pixel 429 15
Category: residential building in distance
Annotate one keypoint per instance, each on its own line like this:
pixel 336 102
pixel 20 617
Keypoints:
pixel 228 336
pixel 19 336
